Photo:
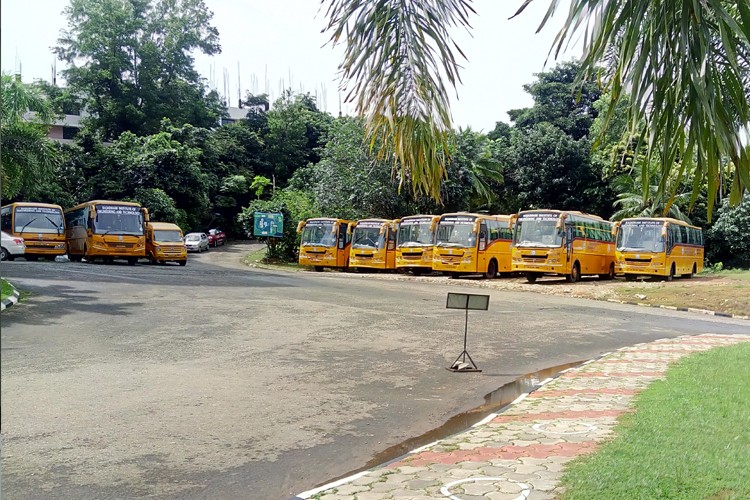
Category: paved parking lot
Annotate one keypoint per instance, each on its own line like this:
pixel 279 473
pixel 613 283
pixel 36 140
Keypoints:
pixel 219 381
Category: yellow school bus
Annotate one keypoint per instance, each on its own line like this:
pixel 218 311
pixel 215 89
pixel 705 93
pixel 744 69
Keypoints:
pixel 658 247
pixel 414 242
pixel 324 242
pixel 373 244
pixel 467 243
pixel 164 243
pixel 41 225
pixel 106 230
pixel 567 243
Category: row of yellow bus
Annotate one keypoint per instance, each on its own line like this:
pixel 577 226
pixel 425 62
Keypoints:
pixel 95 230
pixel 532 242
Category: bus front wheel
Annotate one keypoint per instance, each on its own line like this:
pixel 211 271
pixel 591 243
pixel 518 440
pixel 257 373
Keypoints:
pixel 670 276
pixel 491 270
pixel 531 277
pixel 575 273
pixel 610 275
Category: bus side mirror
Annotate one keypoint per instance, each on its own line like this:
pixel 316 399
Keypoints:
pixel 615 228
pixel 300 226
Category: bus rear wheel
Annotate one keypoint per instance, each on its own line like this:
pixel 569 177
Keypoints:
pixel 575 273
pixel 491 270
pixel 691 274
pixel 610 275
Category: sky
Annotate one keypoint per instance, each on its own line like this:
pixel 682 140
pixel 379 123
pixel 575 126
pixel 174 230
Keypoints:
pixel 269 45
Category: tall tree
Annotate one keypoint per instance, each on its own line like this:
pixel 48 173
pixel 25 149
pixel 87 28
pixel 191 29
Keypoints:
pixel 687 63
pixel 27 157
pixel 132 60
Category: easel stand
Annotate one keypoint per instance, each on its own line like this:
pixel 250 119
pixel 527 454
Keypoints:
pixel 463 366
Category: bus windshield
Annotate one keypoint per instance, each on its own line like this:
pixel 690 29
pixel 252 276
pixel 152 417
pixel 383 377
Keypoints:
pixel 460 234
pixel 167 236
pixel 368 237
pixel 39 220
pixel 318 234
pixel 538 232
pixel 118 219
pixel 414 235
pixel 640 236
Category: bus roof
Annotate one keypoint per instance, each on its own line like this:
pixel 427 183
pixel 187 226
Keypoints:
pixel 374 220
pixel 32 204
pixel 662 219
pixel 105 202
pixel 163 226
pixel 471 214
pixel 425 216
pixel 562 212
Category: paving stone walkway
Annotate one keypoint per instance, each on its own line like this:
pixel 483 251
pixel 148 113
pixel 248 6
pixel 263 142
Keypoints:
pixel 520 453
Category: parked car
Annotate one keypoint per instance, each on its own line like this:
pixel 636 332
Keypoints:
pixel 216 237
pixel 196 242
pixel 11 247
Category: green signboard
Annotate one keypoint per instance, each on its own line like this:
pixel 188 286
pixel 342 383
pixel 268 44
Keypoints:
pixel 269 225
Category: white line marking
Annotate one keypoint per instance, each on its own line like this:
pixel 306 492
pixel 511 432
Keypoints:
pixel 525 489
pixel 309 493
pixel 520 398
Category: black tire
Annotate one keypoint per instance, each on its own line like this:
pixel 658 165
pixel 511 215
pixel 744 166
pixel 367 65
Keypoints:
pixel 670 276
pixel 418 271
pixel 183 262
pixel 491 270
pixel 531 277
pixel 75 258
pixel 691 274
pixel 132 261
pixel 318 269
pixel 5 254
pixel 575 273
pixel 630 277
pixel 610 275
pixel 454 275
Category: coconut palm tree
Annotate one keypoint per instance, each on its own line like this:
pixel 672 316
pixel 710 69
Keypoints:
pixel 26 154
pixel 685 64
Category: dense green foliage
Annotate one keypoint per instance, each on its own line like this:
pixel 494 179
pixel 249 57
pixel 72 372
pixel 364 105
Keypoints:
pixel 731 235
pixel 154 136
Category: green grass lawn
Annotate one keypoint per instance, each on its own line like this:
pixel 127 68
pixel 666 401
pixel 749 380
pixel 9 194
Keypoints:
pixel 258 258
pixel 689 437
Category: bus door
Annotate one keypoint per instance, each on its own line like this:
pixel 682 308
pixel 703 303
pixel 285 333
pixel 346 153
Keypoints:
pixel 482 244
pixel 390 249
pixel 342 245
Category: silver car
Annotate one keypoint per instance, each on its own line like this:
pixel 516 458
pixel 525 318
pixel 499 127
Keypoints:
pixel 11 247
pixel 196 242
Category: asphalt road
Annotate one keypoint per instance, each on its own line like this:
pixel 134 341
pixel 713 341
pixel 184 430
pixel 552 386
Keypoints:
pixel 218 381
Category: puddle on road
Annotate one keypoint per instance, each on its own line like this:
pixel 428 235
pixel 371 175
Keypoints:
pixel 493 402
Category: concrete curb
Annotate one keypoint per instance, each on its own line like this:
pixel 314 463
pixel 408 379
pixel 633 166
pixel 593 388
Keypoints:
pixel 683 309
pixel 13 299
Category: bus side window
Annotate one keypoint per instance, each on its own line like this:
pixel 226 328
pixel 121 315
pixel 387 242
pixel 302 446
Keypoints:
pixel 6 218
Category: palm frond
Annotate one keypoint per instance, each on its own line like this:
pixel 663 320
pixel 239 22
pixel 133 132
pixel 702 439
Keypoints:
pixel 398 56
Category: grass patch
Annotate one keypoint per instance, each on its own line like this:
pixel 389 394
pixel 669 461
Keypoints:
pixel 689 437
pixel 723 291
pixel 258 259
pixel 7 290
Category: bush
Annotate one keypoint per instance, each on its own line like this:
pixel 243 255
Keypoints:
pixel 728 241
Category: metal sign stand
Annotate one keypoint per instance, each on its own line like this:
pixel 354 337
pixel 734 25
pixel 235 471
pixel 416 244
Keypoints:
pixel 466 301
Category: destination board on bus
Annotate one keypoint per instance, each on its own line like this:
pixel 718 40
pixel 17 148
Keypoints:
pixel 117 209
pixel 458 219
pixel 644 223
pixel 371 224
pixel 37 210
pixel 540 216
pixel 416 221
